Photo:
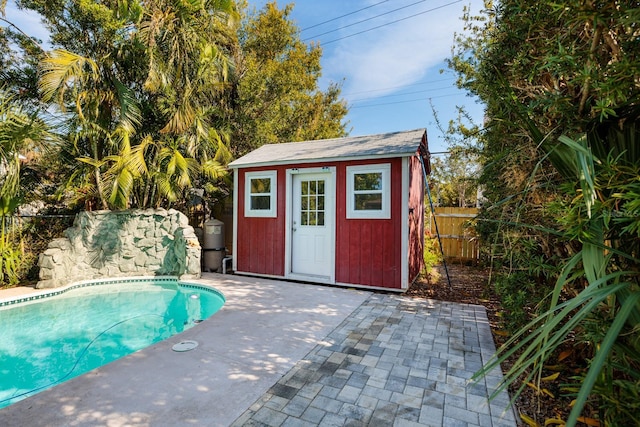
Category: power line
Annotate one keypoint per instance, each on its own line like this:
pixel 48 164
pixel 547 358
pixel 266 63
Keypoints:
pixel 342 16
pixel 364 20
pixel 392 22
pixel 402 94
pixel 404 102
pixel 397 87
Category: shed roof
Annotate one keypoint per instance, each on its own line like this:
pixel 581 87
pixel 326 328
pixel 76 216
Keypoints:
pixel 395 144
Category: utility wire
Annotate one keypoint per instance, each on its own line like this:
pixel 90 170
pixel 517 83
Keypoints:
pixel 391 22
pixel 401 94
pixel 364 20
pixel 397 87
pixel 342 16
pixel 403 102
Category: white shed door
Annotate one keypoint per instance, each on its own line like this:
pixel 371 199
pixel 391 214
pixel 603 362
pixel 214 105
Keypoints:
pixel 311 225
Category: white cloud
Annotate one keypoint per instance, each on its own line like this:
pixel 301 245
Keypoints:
pixel 397 54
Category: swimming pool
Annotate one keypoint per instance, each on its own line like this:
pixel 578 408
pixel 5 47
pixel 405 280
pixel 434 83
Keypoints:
pixel 51 337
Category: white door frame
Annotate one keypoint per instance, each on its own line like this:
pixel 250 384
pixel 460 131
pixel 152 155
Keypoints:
pixel 330 188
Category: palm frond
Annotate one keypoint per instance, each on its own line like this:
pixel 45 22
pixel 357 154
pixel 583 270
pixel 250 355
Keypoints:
pixel 130 116
pixel 122 181
pixel 182 118
pixel 214 170
pixel 62 70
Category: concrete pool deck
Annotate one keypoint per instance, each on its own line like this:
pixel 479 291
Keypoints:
pixel 290 354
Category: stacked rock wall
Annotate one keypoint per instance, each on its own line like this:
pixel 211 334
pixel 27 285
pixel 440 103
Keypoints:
pixel 124 243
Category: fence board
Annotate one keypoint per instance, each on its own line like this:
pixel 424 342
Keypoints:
pixel 457 236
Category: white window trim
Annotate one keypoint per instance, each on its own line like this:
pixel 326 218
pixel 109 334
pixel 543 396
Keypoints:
pixel 385 212
pixel 270 213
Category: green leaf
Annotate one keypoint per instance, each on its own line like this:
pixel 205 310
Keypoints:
pixel 598 363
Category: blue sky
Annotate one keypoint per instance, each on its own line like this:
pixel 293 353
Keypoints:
pixel 388 55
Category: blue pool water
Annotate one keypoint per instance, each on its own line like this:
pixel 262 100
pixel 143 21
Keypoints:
pixel 49 340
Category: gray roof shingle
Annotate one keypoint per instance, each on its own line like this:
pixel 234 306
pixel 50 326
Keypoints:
pixel 395 144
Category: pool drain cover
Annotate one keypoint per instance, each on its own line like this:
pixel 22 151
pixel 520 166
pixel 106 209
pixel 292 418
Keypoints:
pixel 184 346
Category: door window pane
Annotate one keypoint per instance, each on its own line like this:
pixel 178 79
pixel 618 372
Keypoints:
pixel 312 202
pixel 320 218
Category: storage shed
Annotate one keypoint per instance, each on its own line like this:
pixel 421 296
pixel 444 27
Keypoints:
pixel 344 211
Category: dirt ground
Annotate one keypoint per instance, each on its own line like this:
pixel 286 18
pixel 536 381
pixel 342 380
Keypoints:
pixel 469 286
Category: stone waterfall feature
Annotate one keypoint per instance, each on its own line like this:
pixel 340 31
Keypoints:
pixel 104 244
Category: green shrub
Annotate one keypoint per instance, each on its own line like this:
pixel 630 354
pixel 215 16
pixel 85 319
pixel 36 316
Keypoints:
pixel 22 243
pixel 431 253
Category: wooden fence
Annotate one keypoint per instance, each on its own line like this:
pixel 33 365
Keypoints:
pixel 456 233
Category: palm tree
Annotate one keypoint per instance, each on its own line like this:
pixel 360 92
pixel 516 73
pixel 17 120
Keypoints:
pixel 190 49
pixel 127 111
pixel 103 112
pixel 19 132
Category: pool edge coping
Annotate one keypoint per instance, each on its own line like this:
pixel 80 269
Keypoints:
pixel 51 292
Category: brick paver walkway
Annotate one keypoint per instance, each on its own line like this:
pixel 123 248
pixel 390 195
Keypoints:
pixel 395 361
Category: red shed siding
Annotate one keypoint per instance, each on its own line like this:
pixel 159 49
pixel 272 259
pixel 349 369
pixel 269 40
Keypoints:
pixel 260 245
pixel 416 218
pixel 368 251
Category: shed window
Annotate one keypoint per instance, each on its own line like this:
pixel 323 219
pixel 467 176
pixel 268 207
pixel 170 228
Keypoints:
pixel 368 190
pixel 260 194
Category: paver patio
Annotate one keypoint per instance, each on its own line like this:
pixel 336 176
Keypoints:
pixel 289 354
pixel 394 361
